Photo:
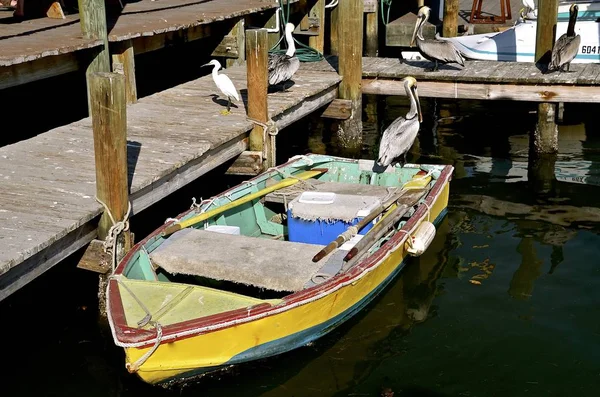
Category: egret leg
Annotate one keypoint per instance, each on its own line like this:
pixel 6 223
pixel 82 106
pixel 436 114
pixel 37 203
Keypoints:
pixel 226 112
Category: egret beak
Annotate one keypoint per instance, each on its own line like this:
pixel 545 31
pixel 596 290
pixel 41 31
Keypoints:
pixel 416 94
pixel 206 64
pixel 414 35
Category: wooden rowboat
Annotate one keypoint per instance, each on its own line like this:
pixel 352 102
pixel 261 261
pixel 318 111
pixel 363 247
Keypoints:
pixel 237 279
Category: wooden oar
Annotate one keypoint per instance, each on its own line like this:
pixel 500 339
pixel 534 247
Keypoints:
pixel 209 214
pixel 388 220
pixel 348 234
pixel 419 181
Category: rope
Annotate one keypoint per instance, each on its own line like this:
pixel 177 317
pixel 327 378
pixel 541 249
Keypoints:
pixel 143 322
pixel 110 242
pixel 304 157
pixel 303 52
pixel 270 129
pixel 332 4
pixel 386 20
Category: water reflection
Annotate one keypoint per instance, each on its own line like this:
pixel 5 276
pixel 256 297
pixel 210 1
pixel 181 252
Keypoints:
pixel 503 302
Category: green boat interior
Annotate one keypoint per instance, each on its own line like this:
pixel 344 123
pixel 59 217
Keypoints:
pixel 262 250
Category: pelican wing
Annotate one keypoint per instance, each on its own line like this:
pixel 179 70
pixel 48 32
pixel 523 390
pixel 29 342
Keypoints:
pixel 397 139
pixel 565 50
pixel 442 50
pixel 282 68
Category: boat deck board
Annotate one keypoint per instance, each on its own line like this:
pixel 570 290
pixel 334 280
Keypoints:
pixel 522 73
pixel 41 37
pixel 174 136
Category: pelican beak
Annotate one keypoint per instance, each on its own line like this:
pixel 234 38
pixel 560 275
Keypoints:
pixel 414 35
pixel 416 94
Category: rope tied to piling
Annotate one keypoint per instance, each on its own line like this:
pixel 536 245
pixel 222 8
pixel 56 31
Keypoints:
pixel 270 129
pixel 110 242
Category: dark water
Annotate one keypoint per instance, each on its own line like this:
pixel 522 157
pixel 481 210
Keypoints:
pixel 505 302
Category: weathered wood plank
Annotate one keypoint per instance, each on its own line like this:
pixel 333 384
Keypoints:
pixel 340 109
pixel 47 206
pixel 444 89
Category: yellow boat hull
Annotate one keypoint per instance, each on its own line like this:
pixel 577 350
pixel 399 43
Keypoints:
pixel 284 326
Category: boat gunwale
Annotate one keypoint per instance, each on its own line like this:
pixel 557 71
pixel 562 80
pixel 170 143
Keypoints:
pixel 126 336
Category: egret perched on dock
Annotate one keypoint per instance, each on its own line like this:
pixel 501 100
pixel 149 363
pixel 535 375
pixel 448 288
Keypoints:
pixel 566 47
pixel 224 83
pixel 434 50
pixel 401 134
pixel 283 66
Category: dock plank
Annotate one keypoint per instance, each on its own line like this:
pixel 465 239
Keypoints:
pixel 174 136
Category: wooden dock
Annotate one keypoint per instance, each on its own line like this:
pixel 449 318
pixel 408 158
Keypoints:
pixel 47 204
pixel 484 80
pixel 43 47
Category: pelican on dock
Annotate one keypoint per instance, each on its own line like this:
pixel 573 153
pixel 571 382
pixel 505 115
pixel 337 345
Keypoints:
pixel 224 83
pixel 401 134
pixel 434 50
pixel 283 66
pixel 566 47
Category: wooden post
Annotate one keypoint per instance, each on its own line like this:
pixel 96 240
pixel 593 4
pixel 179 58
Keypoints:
pixel 123 62
pixel 318 12
pixel 92 15
pixel 545 136
pixel 350 18
pixel 541 174
pixel 372 31
pixel 238 32
pixel 109 123
pixel 257 48
pixel 450 23
pixel 272 24
pixel 333 30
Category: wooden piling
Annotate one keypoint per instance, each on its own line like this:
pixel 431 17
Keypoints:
pixel 317 12
pixel 545 136
pixel 238 32
pixel 371 28
pixel 123 62
pixel 450 23
pixel 257 47
pixel 109 123
pixel 333 30
pixel 350 27
pixel 92 18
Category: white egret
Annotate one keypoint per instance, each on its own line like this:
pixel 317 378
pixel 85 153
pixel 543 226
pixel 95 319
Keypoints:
pixel 282 67
pixel 224 83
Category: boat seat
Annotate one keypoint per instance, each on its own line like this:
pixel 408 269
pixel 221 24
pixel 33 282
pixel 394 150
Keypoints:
pixel 265 263
pixel 289 193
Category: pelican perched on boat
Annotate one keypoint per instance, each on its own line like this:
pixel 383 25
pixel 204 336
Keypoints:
pixel 283 66
pixel 566 47
pixel 224 83
pixel 434 50
pixel 401 134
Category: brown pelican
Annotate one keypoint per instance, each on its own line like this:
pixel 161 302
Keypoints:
pixel 283 66
pixel 224 83
pixel 566 47
pixel 434 50
pixel 401 134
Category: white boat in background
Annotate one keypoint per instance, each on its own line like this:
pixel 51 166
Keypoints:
pixel 517 43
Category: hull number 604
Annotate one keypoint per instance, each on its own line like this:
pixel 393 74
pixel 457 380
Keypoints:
pixel 590 49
